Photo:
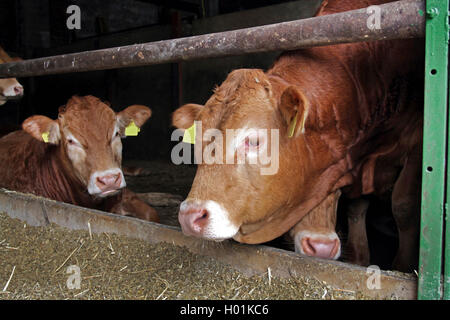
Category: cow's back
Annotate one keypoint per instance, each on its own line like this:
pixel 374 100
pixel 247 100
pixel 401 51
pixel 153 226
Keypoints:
pixel 335 6
pixel 373 90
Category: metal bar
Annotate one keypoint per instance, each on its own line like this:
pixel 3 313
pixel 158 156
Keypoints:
pixel 399 20
pixel 446 244
pixel 446 293
pixel 434 149
pixel 446 282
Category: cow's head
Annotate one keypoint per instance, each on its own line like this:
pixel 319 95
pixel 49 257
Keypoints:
pixel 236 200
pixel 88 135
pixel 10 88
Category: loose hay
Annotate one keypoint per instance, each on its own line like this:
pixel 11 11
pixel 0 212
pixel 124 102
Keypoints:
pixel 116 267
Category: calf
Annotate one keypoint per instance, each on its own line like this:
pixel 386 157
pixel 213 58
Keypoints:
pixel 10 88
pixel 349 117
pixel 75 158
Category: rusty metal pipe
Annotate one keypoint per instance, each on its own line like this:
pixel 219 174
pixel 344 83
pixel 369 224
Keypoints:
pixel 399 20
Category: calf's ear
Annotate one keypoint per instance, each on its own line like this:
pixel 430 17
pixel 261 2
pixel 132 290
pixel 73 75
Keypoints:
pixel 184 117
pixel 43 129
pixel 294 110
pixel 137 113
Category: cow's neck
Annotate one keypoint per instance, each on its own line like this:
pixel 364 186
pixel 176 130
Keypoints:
pixel 350 78
pixel 355 96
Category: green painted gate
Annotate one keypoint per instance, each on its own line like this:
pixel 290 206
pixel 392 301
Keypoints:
pixel 434 258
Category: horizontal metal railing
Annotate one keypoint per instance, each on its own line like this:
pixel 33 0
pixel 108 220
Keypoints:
pixel 399 20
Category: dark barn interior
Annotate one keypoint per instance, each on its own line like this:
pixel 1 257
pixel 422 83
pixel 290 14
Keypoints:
pixel 32 29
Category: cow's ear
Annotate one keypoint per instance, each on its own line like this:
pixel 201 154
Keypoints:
pixel 43 129
pixel 184 117
pixel 294 110
pixel 136 113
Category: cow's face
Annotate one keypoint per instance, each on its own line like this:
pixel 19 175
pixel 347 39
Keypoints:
pixel 10 88
pixel 88 134
pixel 231 200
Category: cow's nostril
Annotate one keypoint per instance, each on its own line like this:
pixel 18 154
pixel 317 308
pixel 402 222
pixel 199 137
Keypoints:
pixel 18 90
pixel 203 215
pixel 100 181
pixel 308 248
pixel 322 248
pixel 193 220
pixel 109 180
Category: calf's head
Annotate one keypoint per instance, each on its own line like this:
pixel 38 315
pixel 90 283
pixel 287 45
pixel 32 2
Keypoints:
pixel 88 136
pixel 235 200
pixel 10 88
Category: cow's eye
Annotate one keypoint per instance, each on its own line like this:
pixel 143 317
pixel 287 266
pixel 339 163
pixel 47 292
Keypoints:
pixel 72 142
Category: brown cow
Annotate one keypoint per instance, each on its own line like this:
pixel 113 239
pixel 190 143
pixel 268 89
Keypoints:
pixel 359 113
pixel 81 161
pixel 10 88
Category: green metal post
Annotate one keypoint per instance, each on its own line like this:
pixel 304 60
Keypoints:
pixel 446 284
pixel 434 149
pixel 446 294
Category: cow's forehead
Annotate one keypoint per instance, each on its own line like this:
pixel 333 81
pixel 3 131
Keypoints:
pixel 88 116
pixel 242 98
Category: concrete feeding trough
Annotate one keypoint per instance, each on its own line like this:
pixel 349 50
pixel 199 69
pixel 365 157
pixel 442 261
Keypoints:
pixel 248 259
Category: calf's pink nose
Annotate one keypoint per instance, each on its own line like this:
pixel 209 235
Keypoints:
pixel 109 182
pixel 18 90
pixel 320 247
pixel 193 220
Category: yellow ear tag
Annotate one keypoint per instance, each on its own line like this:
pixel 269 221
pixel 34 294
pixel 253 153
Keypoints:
pixel 189 135
pixel 292 126
pixel 45 137
pixel 132 129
